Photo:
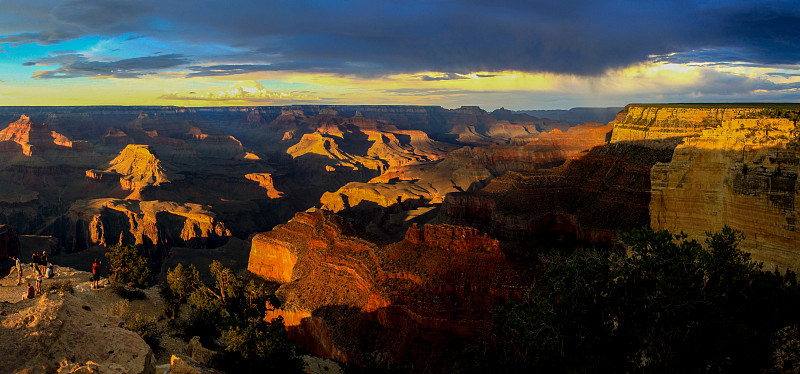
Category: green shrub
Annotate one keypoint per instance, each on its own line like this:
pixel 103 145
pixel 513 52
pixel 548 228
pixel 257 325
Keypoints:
pixel 232 308
pixel 128 265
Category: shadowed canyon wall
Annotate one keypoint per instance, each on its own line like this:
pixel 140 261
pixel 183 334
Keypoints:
pixel 409 304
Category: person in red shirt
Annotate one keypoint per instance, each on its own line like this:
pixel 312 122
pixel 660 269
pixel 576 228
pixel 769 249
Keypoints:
pixel 31 293
pixel 96 274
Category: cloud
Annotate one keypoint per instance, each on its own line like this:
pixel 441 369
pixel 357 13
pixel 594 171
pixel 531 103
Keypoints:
pixel 444 77
pixel 371 38
pixel 253 93
pixel 42 38
pixel 783 75
pixel 76 65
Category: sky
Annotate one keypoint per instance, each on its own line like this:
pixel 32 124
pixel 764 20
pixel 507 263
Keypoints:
pixel 515 54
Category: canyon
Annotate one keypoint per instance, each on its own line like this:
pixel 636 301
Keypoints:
pixel 171 176
pixel 393 231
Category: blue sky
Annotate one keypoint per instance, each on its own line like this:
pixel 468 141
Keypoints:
pixel 516 54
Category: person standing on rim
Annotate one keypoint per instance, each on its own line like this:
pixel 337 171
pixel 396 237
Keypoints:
pixel 35 261
pixel 96 274
pixel 18 265
pixel 43 261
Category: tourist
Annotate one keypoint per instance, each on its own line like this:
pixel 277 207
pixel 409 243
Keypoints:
pixel 43 259
pixel 35 261
pixel 96 274
pixel 49 274
pixel 18 265
pixel 39 283
pixel 30 294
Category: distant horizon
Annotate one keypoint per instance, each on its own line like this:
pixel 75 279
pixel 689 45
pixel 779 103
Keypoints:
pixel 491 109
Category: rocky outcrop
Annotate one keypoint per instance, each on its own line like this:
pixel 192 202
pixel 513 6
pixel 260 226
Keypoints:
pixel 742 173
pixel 265 181
pixel 137 167
pixel 9 242
pixel 33 136
pixel 37 142
pixel 369 145
pixel 61 333
pixel 587 200
pixel 409 304
pixel 150 223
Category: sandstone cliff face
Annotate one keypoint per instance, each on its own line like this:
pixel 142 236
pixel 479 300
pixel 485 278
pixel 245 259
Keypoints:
pixel 409 303
pixel 389 203
pixel 61 333
pixel 159 224
pixel 648 123
pixel 741 173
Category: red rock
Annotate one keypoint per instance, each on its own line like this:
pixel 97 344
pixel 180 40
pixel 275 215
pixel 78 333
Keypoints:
pixel 407 303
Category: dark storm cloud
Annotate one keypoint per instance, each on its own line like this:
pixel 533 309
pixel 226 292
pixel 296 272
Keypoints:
pixel 76 65
pixel 583 37
pixel 98 14
pixel 42 38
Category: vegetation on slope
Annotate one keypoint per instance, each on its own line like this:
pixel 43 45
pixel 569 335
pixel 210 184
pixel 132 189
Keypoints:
pixel 665 304
pixel 231 310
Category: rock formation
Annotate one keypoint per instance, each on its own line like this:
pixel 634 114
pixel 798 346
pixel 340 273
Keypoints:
pixel 659 122
pixel 33 136
pixel 409 303
pixel 40 145
pixel 587 200
pixel 149 223
pixel 136 167
pixel 61 333
pixel 388 203
pixel 741 173
pixel 265 181
pixel 227 158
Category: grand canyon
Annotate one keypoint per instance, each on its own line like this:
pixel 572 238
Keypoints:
pixel 390 233
pixel 450 186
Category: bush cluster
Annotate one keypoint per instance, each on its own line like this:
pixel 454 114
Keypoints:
pixel 660 303
pixel 231 310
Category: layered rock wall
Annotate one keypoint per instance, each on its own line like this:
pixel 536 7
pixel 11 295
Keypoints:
pixel 741 173
pixel 656 123
pixel 150 223
pixel 408 304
